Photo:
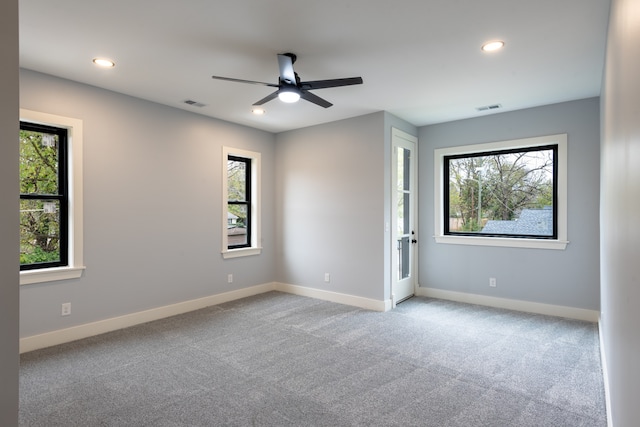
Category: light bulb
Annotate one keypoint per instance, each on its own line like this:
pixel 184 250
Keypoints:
pixel 289 96
pixel 102 62
pixel 495 45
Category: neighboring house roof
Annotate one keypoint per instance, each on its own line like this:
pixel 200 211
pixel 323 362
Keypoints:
pixel 536 222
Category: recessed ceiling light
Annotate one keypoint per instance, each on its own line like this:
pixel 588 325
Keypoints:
pixel 103 62
pixel 258 111
pixel 494 45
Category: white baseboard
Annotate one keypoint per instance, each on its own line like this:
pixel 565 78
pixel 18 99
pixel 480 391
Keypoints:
pixel 86 330
pixel 62 336
pixel 511 304
pixel 605 374
pixel 355 301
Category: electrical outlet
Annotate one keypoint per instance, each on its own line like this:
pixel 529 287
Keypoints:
pixel 327 277
pixel 492 282
pixel 66 309
pixel 229 278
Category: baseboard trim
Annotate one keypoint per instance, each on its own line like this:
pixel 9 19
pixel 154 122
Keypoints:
pixel 355 301
pixel 61 336
pixel 605 374
pixel 86 330
pixel 511 304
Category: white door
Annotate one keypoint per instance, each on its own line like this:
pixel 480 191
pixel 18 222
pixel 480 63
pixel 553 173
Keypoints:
pixel 403 215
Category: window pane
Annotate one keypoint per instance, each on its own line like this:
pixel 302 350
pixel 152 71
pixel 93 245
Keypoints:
pixel 38 163
pixel 237 225
pixel 502 193
pixel 403 189
pixel 404 265
pixel 39 231
pixel 237 180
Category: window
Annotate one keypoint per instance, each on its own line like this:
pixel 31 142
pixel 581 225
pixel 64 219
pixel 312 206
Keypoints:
pixel 50 197
pixel 510 193
pixel 238 202
pixel 43 197
pixel 241 203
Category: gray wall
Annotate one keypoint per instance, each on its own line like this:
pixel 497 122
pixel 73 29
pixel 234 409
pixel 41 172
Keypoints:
pixel 9 213
pixel 333 186
pixel 567 278
pixel 152 206
pixel 330 181
pixel 620 212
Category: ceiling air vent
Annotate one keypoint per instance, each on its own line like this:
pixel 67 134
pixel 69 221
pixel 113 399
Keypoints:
pixel 194 103
pixel 489 107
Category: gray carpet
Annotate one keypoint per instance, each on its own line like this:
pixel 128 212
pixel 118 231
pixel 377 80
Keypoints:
pixel 284 360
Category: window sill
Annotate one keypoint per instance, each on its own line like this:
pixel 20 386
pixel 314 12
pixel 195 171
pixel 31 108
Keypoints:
pixel 503 242
pixel 236 253
pixel 28 277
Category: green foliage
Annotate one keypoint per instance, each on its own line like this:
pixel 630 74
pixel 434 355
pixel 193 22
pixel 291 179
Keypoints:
pixel 498 186
pixel 39 218
pixel 236 180
pixel 38 255
pixel 38 164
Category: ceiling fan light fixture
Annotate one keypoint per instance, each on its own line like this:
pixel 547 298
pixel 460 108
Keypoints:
pixel 289 95
pixel 258 111
pixel 493 46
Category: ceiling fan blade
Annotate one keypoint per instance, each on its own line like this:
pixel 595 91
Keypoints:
pixel 323 84
pixel 244 81
pixel 285 63
pixel 267 98
pixel 308 96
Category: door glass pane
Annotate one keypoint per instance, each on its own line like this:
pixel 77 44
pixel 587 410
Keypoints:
pixel 406 169
pixel 404 266
pixel 39 231
pixel 403 212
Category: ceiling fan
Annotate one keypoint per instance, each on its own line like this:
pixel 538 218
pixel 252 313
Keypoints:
pixel 291 89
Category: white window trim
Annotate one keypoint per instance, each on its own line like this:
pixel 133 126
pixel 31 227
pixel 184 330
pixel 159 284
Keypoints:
pixel 560 243
pixel 256 234
pixel 74 140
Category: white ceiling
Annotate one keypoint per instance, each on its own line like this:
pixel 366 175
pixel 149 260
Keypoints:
pixel 420 59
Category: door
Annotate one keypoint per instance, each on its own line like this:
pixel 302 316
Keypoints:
pixel 403 215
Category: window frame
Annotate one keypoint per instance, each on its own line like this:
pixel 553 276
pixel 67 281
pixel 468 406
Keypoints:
pixel 61 196
pixel 74 266
pixel 254 227
pixel 560 171
pixel 247 200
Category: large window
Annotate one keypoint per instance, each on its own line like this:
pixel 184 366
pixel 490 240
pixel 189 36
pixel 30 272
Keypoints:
pixel 510 193
pixel 241 203
pixel 50 197
pixel 43 197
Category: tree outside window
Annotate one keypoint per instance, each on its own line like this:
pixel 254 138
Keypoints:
pixel 239 202
pixel 43 196
pixel 502 193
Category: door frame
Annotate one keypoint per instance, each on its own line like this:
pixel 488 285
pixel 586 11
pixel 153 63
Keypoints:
pixel 400 138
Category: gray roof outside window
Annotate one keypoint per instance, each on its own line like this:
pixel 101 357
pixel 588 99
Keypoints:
pixel 535 222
